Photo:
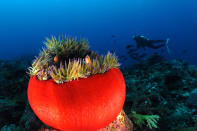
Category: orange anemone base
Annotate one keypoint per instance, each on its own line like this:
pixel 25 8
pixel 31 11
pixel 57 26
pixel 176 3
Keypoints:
pixel 85 104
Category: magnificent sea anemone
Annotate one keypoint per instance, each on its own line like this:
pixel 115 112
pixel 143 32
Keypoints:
pixel 73 88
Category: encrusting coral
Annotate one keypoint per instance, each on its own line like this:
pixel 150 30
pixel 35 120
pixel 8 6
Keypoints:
pixel 65 59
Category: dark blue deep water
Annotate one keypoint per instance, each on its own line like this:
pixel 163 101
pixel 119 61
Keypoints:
pixel 157 89
pixel 107 24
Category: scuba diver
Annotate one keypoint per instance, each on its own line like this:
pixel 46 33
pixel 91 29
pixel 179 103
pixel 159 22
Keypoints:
pixel 145 42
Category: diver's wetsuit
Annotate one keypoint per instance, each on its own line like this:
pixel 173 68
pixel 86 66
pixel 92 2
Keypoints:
pixel 144 42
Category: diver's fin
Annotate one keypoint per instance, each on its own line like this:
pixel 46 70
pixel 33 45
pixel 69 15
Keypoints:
pixel 168 50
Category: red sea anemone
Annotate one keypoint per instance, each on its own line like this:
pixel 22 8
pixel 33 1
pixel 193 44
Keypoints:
pixel 86 103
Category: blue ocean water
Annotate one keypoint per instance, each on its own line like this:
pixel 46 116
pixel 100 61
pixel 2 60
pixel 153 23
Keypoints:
pixel 107 24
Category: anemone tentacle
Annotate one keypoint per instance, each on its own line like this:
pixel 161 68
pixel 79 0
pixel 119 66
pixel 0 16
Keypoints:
pixel 67 59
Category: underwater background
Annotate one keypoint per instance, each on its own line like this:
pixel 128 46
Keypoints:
pixel 161 83
pixel 108 24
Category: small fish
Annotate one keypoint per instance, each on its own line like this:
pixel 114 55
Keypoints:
pixel 56 59
pixel 129 46
pixel 113 36
pixel 184 51
pixel 88 61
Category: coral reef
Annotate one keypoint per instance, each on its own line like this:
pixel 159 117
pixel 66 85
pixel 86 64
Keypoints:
pixel 155 86
pixel 13 84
